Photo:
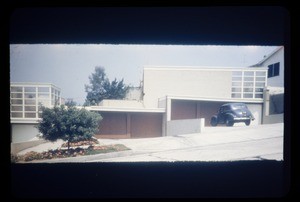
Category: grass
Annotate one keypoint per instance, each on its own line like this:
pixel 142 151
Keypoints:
pixel 59 153
pixel 107 149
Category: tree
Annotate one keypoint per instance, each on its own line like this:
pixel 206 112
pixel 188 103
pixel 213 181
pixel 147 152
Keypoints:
pixel 70 103
pixel 68 123
pixel 100 88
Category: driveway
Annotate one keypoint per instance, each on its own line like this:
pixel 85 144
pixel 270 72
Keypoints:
pixel 220 143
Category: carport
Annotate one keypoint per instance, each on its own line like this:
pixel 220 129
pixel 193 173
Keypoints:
pixel 178 107
pixel 123 123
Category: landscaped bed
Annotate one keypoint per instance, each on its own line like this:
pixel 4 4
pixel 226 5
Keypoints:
pixel 81 148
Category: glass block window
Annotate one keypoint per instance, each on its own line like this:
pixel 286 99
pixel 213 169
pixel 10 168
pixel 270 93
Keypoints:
pixel 248 84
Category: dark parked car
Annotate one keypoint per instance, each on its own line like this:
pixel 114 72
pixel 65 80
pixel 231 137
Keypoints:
pixel 231 113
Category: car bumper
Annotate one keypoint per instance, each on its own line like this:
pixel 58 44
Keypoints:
pixel 240 119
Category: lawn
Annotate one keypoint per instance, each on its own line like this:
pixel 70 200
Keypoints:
pixel 77 149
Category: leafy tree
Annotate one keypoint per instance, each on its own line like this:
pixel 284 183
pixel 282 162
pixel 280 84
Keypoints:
pixel 70 103
pixel 68 123
pixel 101 88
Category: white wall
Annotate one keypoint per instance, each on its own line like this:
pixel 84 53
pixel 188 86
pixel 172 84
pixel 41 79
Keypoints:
pixel 274 118
pixel 186 126
pixel 159 82
pixel 256 110
pixel 121 103
pixel 134 93
pixel 23 132
pixel 277 81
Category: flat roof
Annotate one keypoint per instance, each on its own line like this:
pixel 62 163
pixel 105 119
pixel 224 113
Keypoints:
pixel 212 99
pixel 32 84
pixel 199 68
pixel 123 109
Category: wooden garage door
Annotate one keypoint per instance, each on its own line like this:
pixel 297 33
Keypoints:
pixel 182 109
pixel 113 123
pixel 146 125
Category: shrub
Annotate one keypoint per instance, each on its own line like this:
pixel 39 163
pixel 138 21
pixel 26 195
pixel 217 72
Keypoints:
pixel 68 123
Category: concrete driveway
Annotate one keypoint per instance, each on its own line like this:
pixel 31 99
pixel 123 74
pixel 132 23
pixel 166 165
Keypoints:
pixel 221 143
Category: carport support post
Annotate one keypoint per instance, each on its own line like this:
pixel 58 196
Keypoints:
pixel 202 125
pixel 266 104
pixel 168 109
pixel 128 124
pixel 167 116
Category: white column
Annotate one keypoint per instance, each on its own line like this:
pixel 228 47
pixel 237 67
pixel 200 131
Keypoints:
pixel 168 108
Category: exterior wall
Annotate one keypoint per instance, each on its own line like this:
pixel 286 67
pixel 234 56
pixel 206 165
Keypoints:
pixel 277 81
pixel 257 111
pixel 187 126
pixel 275 118
pixel 134 93
pixel 269 118
pixel 209 82
pixel 121 103
pixel 23 132
pixel 17 147
pixel 146 125
pixel 276 104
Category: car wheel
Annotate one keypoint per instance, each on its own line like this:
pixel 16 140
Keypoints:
pixel 213 121
pixel 247 122
pixel 229 121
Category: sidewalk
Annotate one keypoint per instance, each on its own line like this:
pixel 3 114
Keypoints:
pixel 215 143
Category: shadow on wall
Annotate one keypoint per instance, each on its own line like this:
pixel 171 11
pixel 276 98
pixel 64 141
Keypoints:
pixel 276 104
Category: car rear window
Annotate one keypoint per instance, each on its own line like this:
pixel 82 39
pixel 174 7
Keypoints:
pixel 239 106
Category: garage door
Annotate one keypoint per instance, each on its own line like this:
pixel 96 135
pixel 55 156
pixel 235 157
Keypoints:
pixel 113 125
pixel 146 125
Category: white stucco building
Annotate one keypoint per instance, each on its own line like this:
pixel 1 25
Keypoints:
pixel 26 99
pixel 181 94
pixel 275 63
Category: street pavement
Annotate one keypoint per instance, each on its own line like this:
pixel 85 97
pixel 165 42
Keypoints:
pixel 220 143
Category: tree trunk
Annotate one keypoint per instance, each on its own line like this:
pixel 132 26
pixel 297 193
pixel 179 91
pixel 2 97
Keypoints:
pixel 68 145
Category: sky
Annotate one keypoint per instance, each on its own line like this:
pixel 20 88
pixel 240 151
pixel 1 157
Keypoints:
pixel 68 66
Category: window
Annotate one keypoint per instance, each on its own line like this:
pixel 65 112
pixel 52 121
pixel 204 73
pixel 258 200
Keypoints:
pixel 43 96
pixel 248 84
pixel 236 95
pixel 29 95
pixel 30 102
pixel 17 114
pixel 30 108
pixel 17 89
pixel 249 73
pixel 30 115
pixel 273 70
pixel 43 89
pixel 29 89
pixel 261 73
pixel 16 102
pixel 16 95
pixel 16 108
pixel 25 101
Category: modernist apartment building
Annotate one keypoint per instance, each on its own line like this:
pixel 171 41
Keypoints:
pixel 181 93
pixel 26 99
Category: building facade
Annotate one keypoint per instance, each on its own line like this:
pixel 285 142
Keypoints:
pixel 181 93
pixel 26 100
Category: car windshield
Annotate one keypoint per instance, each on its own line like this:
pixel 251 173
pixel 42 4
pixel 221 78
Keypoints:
pixel 239 106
